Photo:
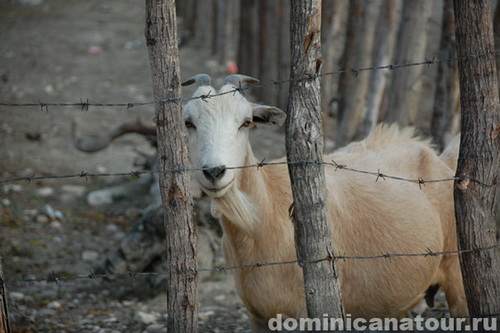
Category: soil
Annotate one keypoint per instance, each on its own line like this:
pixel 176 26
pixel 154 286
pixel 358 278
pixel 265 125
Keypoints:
pixel 68 51
pixel 63 51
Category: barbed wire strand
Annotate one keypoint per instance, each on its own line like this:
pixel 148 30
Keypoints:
pixel 54 278
pixel 84 105
pixel 378 174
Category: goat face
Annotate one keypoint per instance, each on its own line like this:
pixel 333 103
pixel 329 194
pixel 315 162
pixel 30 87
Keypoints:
pixel 218 135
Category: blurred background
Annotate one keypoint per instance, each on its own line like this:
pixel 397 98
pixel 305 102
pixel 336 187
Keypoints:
pixel 92 51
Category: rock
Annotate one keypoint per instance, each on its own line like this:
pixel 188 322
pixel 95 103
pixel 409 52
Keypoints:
pixel 30 214
pixel 101 169
pixel 133 213
pixel 42 218
pixel 16 296
pixel 6 202
pixel 111 319
pixel 52 213
pixel 146 318
pixel 155 328
pixel 54 305
pixel 112 228
pixel 57 240
pixel 89 256
pixel 45 192
pixel 56 225
pixel 205 315
pixel 220 298
pixel 97 198
pixel 73 190
pixel 12 188
pixel 31 2
pixel 7 129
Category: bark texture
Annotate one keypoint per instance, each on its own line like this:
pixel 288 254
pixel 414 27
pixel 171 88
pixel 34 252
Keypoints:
pixel 411 46
pixel 161 39
pixel 479 157
pixel 304 141
pixel 445 116
pixel 4 311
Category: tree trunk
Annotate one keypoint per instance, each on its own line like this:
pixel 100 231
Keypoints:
pixel 4 309
pixel 248 42
pixel 161 39
pixel 224 39
pixel 204 36
pixel 304 141
pixel 411 44
pixel 186 11
pixel 447 86
pixel 346 80
pixel 496 32
pixel 354 105
pixel 268 50
pixel 385 33
pixel 283 52
pixel 479 157
pixel 332 28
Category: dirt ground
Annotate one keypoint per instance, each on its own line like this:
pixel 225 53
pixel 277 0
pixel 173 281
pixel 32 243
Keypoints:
pixel 67 51
pixel 64 51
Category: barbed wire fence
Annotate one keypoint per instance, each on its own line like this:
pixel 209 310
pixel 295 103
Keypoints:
pixel 85 104
pixel 379 175
pixel 54 278
pixel 137 173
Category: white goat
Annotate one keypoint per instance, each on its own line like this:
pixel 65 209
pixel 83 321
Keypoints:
pixel 367 217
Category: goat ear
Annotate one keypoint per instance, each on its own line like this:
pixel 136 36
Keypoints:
pixel 268 115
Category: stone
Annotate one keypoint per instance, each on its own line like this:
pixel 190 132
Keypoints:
pixel 54 305
pixel 42 218
pixel 12 188
pixel 146 318
pixel 52 213
pixel 98 198
pixel 205 315
pixel 45 191
pixel 73 190
pixel 30 213
pixel 155 328
pixel 16 296
pixel 56 225
pixel 89 256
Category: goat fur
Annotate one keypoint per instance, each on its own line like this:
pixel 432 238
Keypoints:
pixel 368 217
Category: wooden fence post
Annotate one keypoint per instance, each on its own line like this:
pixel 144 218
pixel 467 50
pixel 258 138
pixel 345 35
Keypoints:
pixel 182 294
pixel 479 156
pixel 304 141
pixel 4 310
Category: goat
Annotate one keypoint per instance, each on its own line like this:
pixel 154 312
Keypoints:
pixel 367 217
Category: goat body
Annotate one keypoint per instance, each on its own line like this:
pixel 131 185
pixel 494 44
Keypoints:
pixel 368 218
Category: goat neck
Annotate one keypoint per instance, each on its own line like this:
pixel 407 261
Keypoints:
pixel 255 209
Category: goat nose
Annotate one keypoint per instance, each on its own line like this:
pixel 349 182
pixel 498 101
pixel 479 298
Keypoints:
pixel 215 173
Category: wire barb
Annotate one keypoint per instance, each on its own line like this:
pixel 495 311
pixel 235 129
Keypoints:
pixel 85 105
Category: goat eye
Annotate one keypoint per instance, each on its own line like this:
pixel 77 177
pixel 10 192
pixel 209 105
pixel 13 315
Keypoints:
pixel 189 124
pixel 246 123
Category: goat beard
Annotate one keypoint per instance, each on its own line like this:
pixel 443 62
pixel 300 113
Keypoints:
pixel 238 208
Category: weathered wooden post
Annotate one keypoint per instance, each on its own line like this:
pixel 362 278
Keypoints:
pixel 4 310
pixel 182 294
pixel 479 156
pixel 304 141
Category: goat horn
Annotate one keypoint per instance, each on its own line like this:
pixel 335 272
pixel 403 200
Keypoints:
pixel 237 79
pixel 199 79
